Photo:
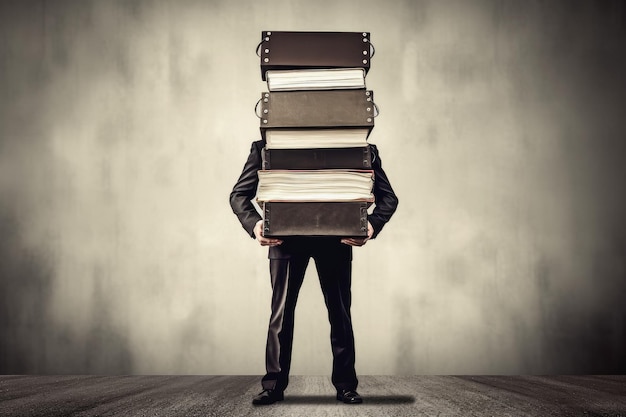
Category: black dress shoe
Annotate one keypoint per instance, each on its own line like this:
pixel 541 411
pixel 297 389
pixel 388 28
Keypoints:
pixel 349 397
pixel 268 396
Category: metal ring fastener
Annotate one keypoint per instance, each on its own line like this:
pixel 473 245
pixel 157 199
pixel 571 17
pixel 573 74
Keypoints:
pixel 256 109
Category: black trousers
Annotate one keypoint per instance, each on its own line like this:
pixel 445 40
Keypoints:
pixel 288 262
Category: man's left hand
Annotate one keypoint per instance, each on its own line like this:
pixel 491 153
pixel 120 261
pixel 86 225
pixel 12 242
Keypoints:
pixel 352 241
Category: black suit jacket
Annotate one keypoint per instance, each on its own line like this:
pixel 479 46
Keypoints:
pixel 245 189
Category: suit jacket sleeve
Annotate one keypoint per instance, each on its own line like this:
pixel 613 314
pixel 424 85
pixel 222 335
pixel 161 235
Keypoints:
pixel 245 189
pixel 386 200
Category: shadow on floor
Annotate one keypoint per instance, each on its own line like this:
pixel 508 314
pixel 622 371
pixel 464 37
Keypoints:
pixel 367 399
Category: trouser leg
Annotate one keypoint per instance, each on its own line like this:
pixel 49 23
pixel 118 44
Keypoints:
pixel 334 269
pixel 286 276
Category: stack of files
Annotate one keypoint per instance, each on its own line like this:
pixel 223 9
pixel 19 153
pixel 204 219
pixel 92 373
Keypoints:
pixel 317 177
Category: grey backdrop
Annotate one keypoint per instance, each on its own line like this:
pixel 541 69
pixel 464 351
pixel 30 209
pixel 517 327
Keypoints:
pixel 124 125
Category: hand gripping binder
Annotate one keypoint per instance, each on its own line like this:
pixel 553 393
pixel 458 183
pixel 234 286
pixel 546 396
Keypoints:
pixel 305 50
pixel 341 219
pixel 317 109
pixel 322 158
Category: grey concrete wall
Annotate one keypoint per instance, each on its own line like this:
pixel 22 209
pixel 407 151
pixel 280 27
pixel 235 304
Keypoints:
pixel 124 125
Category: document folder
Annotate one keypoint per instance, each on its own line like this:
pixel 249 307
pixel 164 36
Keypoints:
pixel 342 219
pixel 323 158
pixel 302 50
pixel 317 109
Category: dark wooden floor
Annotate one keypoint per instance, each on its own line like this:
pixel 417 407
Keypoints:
pixel 313 396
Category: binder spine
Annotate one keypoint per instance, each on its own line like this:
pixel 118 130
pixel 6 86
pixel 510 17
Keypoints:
pixel 284 219
pixel 293 50
pixel 317 109
pixel 297 159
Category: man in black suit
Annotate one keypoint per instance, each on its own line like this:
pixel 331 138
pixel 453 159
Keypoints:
pixel 289 258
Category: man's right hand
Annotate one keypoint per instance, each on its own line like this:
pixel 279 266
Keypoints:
pixel 264 241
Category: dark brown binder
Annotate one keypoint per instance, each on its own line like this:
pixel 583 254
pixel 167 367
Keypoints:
pixel 305 50
pixel 343 219
pixel 325 158
pixel 317 109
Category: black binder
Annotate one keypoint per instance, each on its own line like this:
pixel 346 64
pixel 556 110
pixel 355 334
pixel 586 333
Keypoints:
pixel 304 50
pixel 342 219
pixel 317 109
pixel 323 158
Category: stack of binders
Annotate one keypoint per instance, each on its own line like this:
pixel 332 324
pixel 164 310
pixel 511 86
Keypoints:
pixel 316 116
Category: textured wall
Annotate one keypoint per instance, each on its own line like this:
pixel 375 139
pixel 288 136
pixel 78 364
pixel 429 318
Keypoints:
pixel 124 125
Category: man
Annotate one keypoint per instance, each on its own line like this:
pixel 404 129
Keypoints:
pixel 289 258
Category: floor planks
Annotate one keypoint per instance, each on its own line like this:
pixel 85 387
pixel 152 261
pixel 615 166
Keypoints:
pixel 397 396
